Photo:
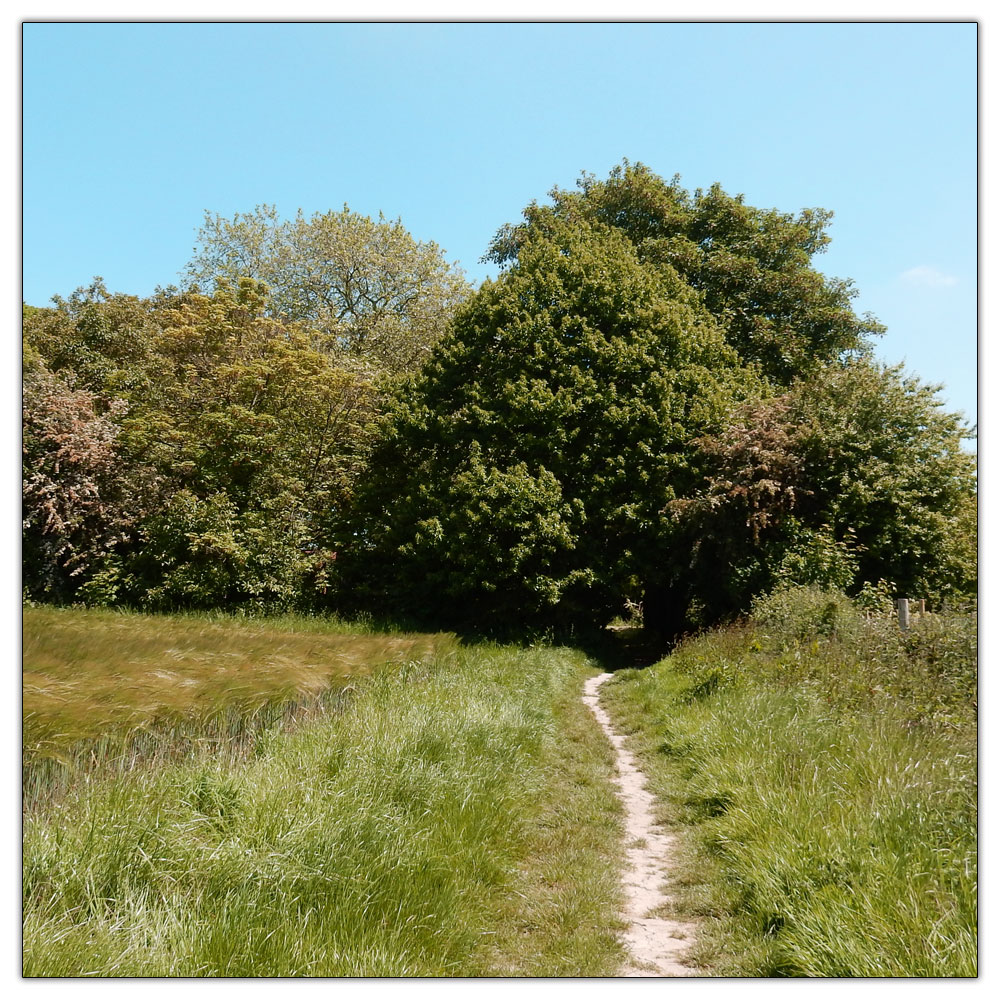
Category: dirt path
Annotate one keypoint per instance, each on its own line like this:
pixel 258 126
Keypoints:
pixel 656 944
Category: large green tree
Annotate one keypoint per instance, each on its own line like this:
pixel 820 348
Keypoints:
pixel 659 398
pixel 521 478
pixel 366 286
pixel 258 436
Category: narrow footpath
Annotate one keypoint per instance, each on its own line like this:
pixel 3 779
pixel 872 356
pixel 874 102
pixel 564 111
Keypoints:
pixel 656 944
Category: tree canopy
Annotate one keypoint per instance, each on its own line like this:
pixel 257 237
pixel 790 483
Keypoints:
pixel 524 472
pixel 658 399
pixel 367 287
pixel 753 267
pixel 853 476
pixel 199 469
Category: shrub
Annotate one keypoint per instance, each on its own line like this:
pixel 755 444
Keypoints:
pixel 803 612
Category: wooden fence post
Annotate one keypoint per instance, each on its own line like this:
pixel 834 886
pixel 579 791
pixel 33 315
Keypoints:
pixel 903 610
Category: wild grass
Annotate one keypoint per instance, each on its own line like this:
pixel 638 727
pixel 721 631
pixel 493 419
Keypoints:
pixel 454 818
pixel 823 781
pixel 105 689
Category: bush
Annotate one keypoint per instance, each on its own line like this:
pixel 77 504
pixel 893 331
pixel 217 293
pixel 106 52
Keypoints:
pixel 803 612
pixel 200 554
pixel 851 653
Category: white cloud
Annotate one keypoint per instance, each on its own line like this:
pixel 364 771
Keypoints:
pixel 928 277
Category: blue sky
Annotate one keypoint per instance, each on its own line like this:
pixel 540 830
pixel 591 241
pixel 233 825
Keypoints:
pixel 132 131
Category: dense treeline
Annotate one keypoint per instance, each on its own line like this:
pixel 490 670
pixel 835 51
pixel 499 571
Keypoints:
pixel 659 399
pixel 195 449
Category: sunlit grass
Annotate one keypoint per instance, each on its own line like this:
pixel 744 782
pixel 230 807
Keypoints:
pixel 103 688
pixel 455 818
pixel 825 791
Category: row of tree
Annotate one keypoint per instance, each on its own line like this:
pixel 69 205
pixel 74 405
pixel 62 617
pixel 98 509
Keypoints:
pixel 660 398
pixel 199 448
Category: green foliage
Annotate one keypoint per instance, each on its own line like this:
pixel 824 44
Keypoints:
pixel 521 526
pixel 367 287
pixel 86 364
pixel 803 612
pixel 885 468
pixel 659 400
pixel 212 486
pixel 259 436
pixel 753 267
pixel 522 475
pixel 97 340
pixel 248 404
pixel 854 476
pixel 587 407
pixel 206 553
pixel 851 653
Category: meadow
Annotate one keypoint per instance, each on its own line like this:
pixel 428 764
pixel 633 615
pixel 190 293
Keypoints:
pixel 107 689
pixel 208 796
pixel 452 816
pixel 820 768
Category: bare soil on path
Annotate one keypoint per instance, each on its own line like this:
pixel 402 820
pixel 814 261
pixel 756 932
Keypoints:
pixel 656 944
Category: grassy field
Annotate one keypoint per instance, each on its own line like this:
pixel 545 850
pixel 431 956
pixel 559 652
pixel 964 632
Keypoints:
pixel 291 797
pixel 821 770
pixel 453 817
pixel 105 689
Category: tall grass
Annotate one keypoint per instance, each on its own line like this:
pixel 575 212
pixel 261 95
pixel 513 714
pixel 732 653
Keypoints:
pixel 106 689
pixel 446 822
pixel 821 768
